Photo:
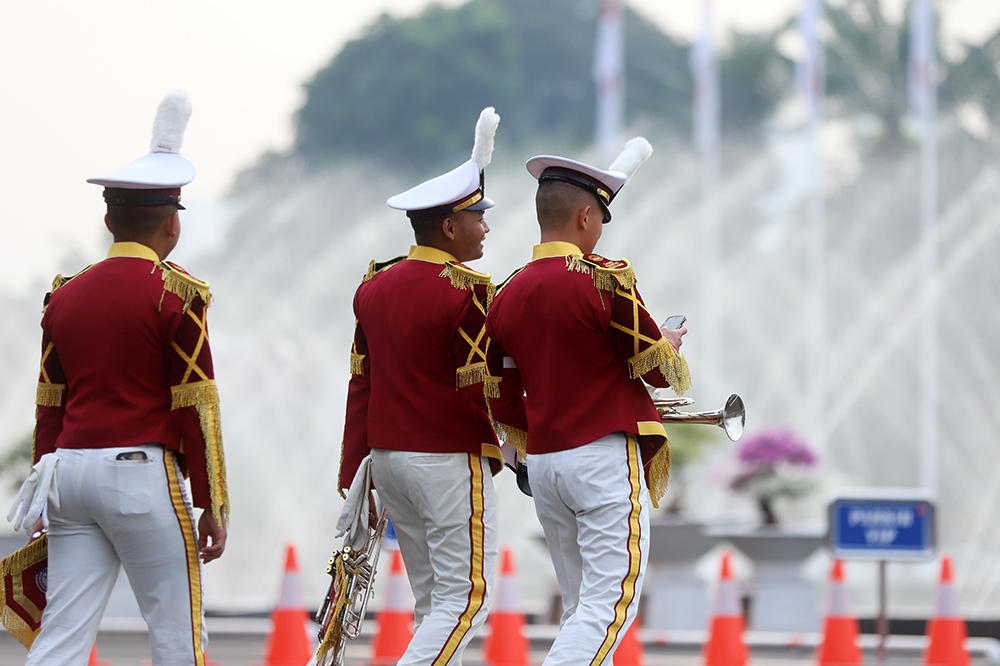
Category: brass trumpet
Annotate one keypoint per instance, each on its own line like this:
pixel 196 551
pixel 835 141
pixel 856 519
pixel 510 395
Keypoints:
pixel 343 610
pixel 730 418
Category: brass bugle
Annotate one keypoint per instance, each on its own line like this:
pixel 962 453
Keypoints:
pixel 730 418
pixel 343 611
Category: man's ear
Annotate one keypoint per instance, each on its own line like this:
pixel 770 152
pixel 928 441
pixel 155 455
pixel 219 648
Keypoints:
pixel 107 223
pixel 583 216
pixel 172 225
pixel 448 228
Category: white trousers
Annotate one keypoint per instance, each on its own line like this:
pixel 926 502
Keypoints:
pixel 444 511
pixel 132 513
pixel 593 505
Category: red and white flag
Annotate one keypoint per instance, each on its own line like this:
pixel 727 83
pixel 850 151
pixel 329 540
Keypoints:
pixel 609 58
pixel 705 78
pixel 809 68
pixel 921 66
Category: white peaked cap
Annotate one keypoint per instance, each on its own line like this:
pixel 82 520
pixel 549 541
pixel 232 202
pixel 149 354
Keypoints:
pixel 163 167
pixel 605 185
pixel 454 186
pixel 611 180
pixel 461 188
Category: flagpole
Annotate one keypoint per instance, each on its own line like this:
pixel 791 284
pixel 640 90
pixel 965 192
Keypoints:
pixel 812 84
pixel 706 123
pixel 609 57
pixel 922 25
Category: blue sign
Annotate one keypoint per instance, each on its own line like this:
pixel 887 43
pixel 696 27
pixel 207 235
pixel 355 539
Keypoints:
pixel 884 529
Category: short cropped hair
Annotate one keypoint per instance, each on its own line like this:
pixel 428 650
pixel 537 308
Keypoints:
pixel 425 230
pixel 137 221
pixel 557 200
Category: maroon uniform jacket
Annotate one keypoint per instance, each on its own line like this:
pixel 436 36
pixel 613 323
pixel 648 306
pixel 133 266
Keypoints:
pixel 126 361
pixel 580 337
pixel 418 361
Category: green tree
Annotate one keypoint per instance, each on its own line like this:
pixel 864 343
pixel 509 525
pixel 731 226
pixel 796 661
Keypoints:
pixel 867 62
pixel 976 79
pixel 409 90
pixel 754 78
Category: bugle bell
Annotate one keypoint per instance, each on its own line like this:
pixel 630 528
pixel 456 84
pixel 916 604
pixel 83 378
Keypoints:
pixel 730 418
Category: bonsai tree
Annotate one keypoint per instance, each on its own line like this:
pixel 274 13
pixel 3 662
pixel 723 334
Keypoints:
pixel 774 463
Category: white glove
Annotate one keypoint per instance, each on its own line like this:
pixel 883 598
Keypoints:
pixel 353 521
pixel 36 491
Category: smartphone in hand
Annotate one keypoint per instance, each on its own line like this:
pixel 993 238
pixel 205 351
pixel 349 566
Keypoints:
pixel 674 322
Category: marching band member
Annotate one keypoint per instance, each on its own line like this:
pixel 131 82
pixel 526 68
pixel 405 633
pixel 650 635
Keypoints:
pixel 126 408
pixel 416 405
pixel 571 318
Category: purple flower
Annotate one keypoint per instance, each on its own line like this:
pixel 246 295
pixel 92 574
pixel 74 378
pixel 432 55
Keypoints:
pixel 773 465
pixel 773 447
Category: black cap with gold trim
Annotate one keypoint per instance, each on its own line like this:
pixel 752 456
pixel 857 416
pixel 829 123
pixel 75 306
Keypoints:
pixel 604 185
pixel 462 188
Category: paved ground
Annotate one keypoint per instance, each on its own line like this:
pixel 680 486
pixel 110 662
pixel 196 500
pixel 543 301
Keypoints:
pixel 132 649
pixel 116 648
pixel 241 642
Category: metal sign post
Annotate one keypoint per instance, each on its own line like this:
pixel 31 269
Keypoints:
pixel 882 623
pixel 882 524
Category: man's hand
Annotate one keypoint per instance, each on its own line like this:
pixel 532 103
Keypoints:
pixel 208 526
pixel 674 335
pixel 372 513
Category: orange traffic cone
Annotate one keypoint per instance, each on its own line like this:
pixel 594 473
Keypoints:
pixel 289 644
pixel 94 661
pixel 725 646
pixel 506 644
pixel 946 630
pixel 395 618
pixel 630 651
pixel 840 629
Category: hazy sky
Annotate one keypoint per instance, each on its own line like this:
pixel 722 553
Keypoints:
pixel 82 80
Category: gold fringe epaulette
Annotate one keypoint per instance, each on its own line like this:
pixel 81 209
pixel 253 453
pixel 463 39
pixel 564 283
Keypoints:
pixel 12 566
pixel 204 396
pixel 672 364
pixel 375 267
pixel 608 274
pixel 465 279
pixel 59 281
pixel 49 395
pixel 184 285
pixel 659 474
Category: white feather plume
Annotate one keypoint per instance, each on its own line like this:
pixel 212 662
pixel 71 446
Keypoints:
pixel 171 119
pixel 486 128
pixel 636 152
